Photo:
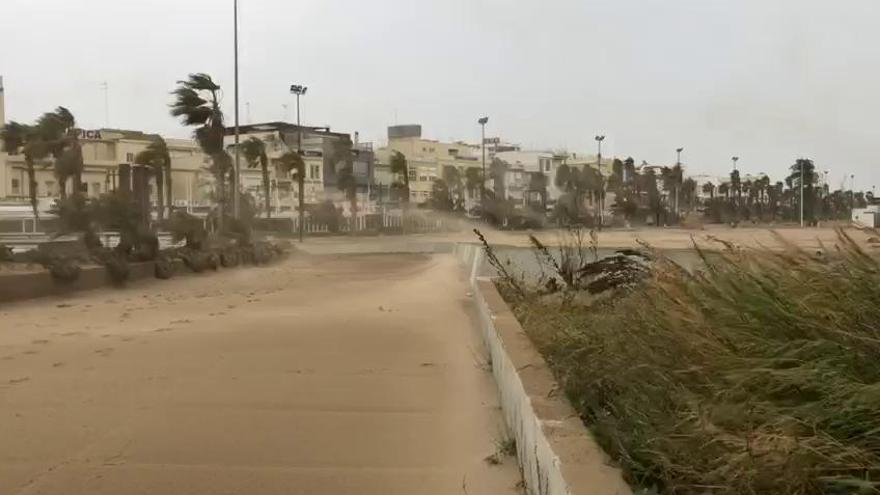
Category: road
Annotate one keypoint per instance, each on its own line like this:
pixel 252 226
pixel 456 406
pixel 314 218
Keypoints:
pixel 360 374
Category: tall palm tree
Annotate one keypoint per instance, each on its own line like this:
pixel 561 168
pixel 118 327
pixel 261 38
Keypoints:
pixel 472 179
pixel 254 151
pixel 197 104
pixel 158 158
pixel 58 131
pixel 452 177
pixel 400 167
pixel 22 138
pixel 340 153
pixel 292 162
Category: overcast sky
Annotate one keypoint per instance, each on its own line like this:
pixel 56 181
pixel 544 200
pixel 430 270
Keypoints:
pixel 768 80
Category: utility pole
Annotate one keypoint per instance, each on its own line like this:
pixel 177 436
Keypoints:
pixel 802 193
pixel 106 88
pixel 599 140
pixel 483 121
pixel 236 206
pixel 300 90
pixel 678 163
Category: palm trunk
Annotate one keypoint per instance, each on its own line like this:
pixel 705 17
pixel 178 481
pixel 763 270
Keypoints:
pixel 32 185
pixel 160 194
pixel 353 200
pixel 302 204
pixel 168 189
pixel 266 193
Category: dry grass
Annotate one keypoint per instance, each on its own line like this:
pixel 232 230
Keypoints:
pixel 758 375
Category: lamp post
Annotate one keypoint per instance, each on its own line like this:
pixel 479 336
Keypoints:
pixel 734 159
pixel 802 192
pixel 483 121
pixel 678 164
pixel 236 205
pixel 599 140
pixel 300 90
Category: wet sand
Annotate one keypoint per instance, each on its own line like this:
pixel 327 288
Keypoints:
pixel 340 375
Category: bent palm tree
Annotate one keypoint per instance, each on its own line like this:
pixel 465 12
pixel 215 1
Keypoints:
pixel 157 157
pixel 399 166
pixel 292 162
pixel 347 183
pixel 254 150
pixel 22 138
pixel 58 131
pixel 197 104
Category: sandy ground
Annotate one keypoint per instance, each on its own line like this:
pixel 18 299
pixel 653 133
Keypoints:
pixel 659 238
pixel 337 375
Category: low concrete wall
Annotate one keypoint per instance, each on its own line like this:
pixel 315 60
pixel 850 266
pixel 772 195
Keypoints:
pixel 558 455
pixel 20 286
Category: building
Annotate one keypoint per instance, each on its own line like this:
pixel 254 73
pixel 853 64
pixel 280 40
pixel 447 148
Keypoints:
pixel 103 151
pixel 323 152
pixel 426 161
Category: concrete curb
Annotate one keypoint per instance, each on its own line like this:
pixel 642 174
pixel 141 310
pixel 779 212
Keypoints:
pixel 557 453
pixel 32 285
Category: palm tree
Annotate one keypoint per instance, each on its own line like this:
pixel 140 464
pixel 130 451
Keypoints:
pixel 452 177
pixel 22 138
pixel 197 103
pixel 472 179
pixel 709 188
pixel 347 183
pixel 292 162
pixel 58 131
pixel 400 167
pixel 254 151
pixel 157 157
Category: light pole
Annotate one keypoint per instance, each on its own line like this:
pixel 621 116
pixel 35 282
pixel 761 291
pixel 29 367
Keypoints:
pixel 300 90
pixel 802 192
pixel 852 193
pixel 734 159
pixel 599 140
pixel 236 206
pixel 483 121
pixel 678 170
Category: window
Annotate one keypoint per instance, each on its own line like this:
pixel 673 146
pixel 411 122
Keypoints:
pixel 96 188
pixel 129 157
pixel 315 172
pixel 412 174
pixel 16 186
pixel 423 178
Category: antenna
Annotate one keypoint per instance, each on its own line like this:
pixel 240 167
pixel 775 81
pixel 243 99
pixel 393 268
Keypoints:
pixel 106 88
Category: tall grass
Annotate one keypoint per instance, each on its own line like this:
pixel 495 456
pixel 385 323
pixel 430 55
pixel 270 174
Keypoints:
pixel 759 374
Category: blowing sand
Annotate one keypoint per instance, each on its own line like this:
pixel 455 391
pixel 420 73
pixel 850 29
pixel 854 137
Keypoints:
pixel 322 375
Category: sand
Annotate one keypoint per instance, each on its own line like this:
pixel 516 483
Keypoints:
pixel 339 375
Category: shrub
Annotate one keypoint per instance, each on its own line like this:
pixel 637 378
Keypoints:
pixel 758 374
pixel 118 268
pixel 164 268
pixel 65 270
pixel 6 253
pixel 229 257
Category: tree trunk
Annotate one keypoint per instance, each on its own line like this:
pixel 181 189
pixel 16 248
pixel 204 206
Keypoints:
pixel 160 194
pixel 32 185
pixel 302 204
pixel 266 192
pixel 168 189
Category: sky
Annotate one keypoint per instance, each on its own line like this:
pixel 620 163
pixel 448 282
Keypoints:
pixel 766 80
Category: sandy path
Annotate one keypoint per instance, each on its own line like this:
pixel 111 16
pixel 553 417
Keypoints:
pixel 337 375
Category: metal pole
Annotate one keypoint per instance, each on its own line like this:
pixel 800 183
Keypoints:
pixel 802 194
pixel 299 134
pixel 236 183
pixel 483 182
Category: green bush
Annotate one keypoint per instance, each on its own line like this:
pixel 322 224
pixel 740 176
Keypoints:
pixel 118 268
pixel 65 270
pixel 164 268
pixel 758 374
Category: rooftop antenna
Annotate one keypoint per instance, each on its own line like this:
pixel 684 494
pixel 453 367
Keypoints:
pixel 106 88
pixel 247 112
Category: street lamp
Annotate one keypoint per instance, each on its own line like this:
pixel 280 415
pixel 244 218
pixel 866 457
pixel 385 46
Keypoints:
pixel 236 200
pixel 483 121
pixel 678 164
pixel 735 159
pixel 599 140
pixel 300 90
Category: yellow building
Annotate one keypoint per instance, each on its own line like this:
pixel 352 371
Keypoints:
pixel 103 151
pixel 426 159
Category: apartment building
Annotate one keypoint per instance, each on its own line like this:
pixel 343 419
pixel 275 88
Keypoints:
pixel 426 159
pixel 103 151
